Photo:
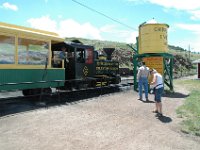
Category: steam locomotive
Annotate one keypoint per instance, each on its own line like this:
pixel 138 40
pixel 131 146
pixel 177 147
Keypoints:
pixel 85 67
pixel 29 62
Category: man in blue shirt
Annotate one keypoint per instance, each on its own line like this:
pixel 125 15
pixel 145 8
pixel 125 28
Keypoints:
pixel 62 54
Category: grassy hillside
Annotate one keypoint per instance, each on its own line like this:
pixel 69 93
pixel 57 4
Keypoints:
pixel 124 53
pixel 183 61
pixel 184 53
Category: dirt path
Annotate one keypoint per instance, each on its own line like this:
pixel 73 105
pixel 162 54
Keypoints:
pixel 112 122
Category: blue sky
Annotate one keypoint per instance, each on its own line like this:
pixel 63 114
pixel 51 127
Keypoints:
pixel 70 19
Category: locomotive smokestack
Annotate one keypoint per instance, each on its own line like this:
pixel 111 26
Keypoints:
pixel 108 52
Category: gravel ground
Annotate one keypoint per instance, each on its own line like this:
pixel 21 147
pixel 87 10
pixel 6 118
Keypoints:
pixel 112 122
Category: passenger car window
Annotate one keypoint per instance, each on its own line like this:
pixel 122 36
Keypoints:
pixel 33 52
pixel 7 49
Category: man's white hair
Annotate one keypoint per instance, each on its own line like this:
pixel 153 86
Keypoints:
pixel 153 71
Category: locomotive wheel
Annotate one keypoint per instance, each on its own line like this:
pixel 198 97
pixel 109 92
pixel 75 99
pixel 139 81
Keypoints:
pixel 77 86
pixel 29 92
pixel 35 91
pixel 68 86
pixel 93 84
pixel 38 91
pixel 47 90
pixel 26 92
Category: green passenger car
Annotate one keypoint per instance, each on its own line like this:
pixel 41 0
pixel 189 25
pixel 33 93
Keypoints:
pixel 26 59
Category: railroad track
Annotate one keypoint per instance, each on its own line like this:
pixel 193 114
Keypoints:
pixel 18 104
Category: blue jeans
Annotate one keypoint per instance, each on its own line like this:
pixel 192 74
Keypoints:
pixel 143 81
pixel 158 94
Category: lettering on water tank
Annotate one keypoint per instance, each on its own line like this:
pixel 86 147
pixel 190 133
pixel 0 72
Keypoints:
pixel 155 62
pixel 160 29
pixel 163 37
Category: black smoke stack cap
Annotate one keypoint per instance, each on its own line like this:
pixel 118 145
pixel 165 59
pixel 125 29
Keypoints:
pixel 108 52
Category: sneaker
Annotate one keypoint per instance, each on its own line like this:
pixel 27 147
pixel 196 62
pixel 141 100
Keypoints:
pixel 140 99
pixel 155 111
pixel 159 115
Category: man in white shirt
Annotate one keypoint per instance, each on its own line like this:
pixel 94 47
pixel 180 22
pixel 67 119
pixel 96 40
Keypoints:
pixel 142 77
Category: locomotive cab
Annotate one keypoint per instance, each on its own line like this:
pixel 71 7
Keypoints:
pixel 79 63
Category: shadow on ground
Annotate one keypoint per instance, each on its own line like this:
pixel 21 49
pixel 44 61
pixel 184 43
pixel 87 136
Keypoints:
pixel 175 95
pixel 149 101
pixel 165 119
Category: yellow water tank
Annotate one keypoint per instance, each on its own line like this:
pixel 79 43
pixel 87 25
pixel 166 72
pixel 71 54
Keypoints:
pixel 153 38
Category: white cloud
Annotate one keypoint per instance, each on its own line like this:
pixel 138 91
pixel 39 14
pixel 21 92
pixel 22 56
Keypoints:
pixel 43 23
pixel 195 28
pixel 66 28
pixel 193 41
pixel 60 16
pixel 72 28
pixel 108 28
pixel 178 4
pixel 138 1
pixel 111 32
pixel 7 5
pixel 195 14
pixel 113 29
pixel 126 36
pixel 132 37
pixel 186 42
pixel 190 6
pixel 195 45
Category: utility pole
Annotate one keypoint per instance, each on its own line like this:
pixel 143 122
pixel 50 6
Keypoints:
pixel 189 51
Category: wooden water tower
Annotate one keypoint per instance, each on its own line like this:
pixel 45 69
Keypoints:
pixel 152 48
